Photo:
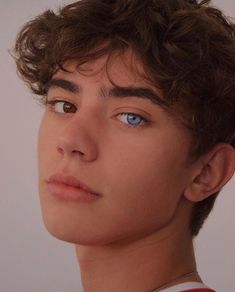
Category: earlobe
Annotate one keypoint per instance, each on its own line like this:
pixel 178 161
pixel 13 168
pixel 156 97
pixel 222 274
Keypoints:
pixel 214 170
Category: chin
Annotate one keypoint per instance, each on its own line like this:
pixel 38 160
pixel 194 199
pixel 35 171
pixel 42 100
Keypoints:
pixel 80 233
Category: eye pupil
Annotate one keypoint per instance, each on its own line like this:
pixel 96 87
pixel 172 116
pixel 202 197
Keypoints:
pixel 69 108
pixel 134 119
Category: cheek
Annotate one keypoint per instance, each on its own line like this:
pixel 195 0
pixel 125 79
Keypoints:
pixel 46 144
pixel 150 165
pixel 145 185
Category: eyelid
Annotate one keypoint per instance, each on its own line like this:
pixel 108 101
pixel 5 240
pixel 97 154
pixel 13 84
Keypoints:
pixel 56 97
pixel 53 102
pixel 144 121
pixel 135 111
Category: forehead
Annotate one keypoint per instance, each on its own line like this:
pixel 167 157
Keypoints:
pixel 121 68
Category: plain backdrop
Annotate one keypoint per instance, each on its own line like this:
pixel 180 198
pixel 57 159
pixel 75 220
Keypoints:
pixel 30 259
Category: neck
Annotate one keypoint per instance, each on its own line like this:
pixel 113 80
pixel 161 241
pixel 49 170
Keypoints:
pixel 141 265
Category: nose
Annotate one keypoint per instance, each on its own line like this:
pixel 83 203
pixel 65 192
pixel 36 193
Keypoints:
pixel 76 140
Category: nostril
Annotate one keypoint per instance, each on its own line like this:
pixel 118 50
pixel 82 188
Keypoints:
pixel 78 152
pixel 60 150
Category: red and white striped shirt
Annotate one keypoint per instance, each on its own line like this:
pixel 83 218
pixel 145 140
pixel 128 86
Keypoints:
pixel 188 287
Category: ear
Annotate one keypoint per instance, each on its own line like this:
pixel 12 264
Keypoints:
pixel 212 171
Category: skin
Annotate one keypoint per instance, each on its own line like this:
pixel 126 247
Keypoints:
pixel 135 235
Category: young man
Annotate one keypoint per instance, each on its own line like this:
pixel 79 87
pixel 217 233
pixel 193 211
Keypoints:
pixel 138 134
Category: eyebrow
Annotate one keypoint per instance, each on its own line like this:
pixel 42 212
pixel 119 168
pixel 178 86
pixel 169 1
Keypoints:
pixel 64 84
pixel 117 92
pixel 139 92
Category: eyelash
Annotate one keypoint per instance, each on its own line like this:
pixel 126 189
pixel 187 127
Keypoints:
pixel 142 122
pixel 54 103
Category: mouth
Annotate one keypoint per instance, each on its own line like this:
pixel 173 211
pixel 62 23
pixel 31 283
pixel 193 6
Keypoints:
pixel 69 188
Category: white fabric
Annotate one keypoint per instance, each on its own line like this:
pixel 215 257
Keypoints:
pixel 184 286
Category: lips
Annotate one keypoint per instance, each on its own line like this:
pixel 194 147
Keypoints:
pixel 70 188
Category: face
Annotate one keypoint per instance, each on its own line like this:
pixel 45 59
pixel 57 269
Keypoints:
pixel 112 161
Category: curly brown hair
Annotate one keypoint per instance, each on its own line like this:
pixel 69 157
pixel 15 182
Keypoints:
pixel 187 48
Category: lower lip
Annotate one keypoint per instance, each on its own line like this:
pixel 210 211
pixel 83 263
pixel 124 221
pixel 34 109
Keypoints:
pixel 70 193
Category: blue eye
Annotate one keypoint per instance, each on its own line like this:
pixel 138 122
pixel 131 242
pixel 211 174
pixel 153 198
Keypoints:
pixel 131 119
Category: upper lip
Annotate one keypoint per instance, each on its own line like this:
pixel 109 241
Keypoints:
pixel 70 181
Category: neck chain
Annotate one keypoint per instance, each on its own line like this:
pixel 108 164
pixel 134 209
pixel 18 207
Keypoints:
pixel 165 285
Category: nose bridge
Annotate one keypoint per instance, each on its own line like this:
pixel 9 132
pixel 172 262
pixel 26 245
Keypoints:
pixel 77 138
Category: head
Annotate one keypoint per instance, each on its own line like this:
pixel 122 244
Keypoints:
pixel 185 52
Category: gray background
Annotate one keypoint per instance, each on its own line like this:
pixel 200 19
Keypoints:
pixel 30 259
